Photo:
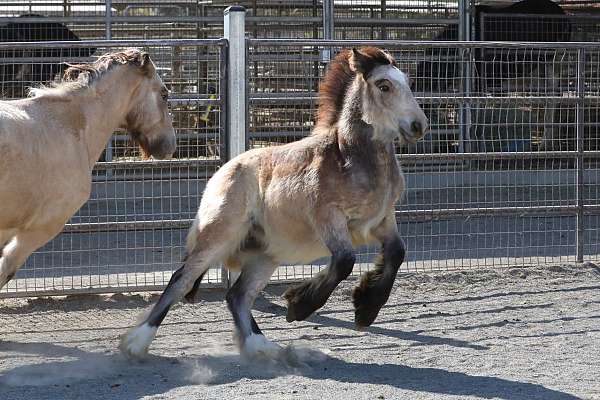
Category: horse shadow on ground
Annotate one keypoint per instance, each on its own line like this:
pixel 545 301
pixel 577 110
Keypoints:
pixel 417 337
pixel 101 375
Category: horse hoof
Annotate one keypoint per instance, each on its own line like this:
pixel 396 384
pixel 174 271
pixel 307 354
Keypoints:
pixel 134 344
pixel 298 307
pixel 192 297
pixel 298 311
pixel 258 346
pixel 366 310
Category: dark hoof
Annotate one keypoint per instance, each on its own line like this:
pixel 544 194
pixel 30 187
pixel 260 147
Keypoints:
pixel 367 304
pixel 298 307
pixel 192 297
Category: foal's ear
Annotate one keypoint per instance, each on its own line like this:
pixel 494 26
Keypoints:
pixel 359 62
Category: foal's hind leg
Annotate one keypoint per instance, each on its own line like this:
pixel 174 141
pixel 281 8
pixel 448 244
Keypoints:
pixel 208 247
pixel 311 295
pixel 136 341
pixel 375 286
pixel 240 298
pixel 192 295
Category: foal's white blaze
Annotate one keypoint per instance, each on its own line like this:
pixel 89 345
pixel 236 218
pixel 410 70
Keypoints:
pixel 136 341
pixel 259 346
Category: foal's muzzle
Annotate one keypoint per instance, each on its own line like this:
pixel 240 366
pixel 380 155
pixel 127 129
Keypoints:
pixel 414 130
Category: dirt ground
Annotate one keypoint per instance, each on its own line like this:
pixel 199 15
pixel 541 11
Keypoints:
pixel 516 333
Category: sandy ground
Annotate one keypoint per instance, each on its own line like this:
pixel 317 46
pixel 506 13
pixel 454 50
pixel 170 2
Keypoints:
pixel 529 333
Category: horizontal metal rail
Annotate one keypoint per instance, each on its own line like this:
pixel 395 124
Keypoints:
pixel 414 44
pixel 127 225
pixel 431 214
pixel 111 43
pixel 100 19
pixel 390 22
pixel 196 100
pixel 194 162
pixel 525 155
pixel 433 98
pixel 544 16
pixel 401 215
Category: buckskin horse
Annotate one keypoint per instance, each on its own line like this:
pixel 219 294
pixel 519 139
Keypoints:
pixel 50 142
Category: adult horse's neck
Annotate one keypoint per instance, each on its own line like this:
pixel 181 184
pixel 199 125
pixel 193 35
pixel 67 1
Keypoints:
pixel 105 107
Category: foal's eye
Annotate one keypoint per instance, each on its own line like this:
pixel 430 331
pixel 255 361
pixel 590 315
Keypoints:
pixel 384 88
pixel 164 95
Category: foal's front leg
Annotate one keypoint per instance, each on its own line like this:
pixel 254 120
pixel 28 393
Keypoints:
pixel 311 295
pixel 375 286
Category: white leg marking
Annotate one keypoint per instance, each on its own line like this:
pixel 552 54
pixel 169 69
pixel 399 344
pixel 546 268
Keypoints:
pixel 259 346
pixel 135 342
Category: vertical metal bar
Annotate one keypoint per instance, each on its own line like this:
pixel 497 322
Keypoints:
pixel 328 29
pixel 235 28
pixel 108 25
pixel 383 16
pixel 224 122
pixel 223 103
pixel 464 33
pixel 580 184
pixel 108 19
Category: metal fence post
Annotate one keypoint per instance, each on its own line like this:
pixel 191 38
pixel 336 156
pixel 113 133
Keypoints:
pixel 235 29
pixel 328 29
pixel 464 33
pixel 579 116
pixel 108 19
pixel 108 154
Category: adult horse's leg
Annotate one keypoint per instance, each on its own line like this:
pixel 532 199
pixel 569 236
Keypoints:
pixel 240 298
pixel 311 295
pixel 5 237
pixel 16 251
pixel 375 286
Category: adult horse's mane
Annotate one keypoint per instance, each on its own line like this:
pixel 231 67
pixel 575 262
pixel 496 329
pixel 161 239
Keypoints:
pixel 340 74
pixel 83 76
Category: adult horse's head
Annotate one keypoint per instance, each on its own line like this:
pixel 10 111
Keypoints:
pixel 366 84
pixel 146 116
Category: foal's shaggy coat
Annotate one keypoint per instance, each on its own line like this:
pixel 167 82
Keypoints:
pixel 50 142
pixel 320 196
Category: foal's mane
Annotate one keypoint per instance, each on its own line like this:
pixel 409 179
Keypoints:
pixel 83 76
pixel 338 78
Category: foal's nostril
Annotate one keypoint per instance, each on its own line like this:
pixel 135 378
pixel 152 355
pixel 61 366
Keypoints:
pixel 416 127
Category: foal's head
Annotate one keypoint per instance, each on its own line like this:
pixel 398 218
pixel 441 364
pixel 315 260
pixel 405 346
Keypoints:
pixel 365 84
pixel 147 118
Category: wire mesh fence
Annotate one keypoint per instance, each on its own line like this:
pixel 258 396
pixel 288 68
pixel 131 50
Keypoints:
pixel 506 176
pixel 131 232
